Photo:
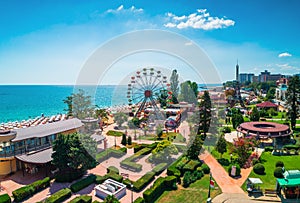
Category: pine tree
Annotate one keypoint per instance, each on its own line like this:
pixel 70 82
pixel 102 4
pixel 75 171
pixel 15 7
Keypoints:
pixel 293 97
pixel 123 141
pixel 129 140
pixel 205 113
pixel 174 86
pixel 221 146
pixel 254 115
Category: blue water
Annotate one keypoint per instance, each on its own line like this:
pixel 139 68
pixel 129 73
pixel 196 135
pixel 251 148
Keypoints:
pixel 21 102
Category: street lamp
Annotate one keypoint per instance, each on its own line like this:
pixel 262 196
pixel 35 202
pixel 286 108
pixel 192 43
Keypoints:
pixel 230 158
pixel 208 196
pixel 131 186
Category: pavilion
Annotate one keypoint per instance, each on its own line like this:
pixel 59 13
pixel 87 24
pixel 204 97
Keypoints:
pixel 290 184
pixel 267 105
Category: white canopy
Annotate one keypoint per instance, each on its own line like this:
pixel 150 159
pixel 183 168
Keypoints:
pixel 255 180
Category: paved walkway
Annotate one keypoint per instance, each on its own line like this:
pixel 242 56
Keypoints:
pixel 226 183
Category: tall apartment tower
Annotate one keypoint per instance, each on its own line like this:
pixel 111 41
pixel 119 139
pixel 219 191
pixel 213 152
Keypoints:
pixel 237 72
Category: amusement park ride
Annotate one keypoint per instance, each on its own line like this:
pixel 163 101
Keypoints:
pixel 143 92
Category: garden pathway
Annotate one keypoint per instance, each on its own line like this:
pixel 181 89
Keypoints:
pixel 226 183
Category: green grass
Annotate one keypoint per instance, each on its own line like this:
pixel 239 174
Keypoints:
pixel 269 161
pixel 226 155
pixel 196 192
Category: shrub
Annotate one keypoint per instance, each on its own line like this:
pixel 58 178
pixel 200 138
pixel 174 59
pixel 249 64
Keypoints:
pixel 269 149
pixel 191 165
pixel 183 161
pixel 259 169
pixel 138 147
pixel 255 161
pixel 289 147
pixel 139 200
pixel 173 171
pixel 238 170
pixel 114 133
pixel 279 164
pixel 278 172
pixel 190 177
pixel 127 182
pixel 79 185
pixel 205 168
pixel 112 169
pixel 129 140
pixel 143 181
pixel 59 196
pixel 224 162
pixel 181 148
pixel 123 141
pixel 5 198
pixel 82 199
pixel 29 190
pixel 159 168
pixel 158 187
pixel 226 129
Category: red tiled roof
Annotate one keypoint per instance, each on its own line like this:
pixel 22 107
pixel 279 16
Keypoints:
pixel 267 104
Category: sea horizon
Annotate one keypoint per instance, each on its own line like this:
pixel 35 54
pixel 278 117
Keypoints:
pixel 23 102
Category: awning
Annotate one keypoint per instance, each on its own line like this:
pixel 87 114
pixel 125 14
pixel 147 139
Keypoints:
pixel 40 157
pixel 255 180
pixel 288 182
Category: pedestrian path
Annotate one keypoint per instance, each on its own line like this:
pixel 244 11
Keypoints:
pixel 226 183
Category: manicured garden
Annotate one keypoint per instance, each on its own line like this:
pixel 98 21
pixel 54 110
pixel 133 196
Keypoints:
pixel 196 192
pixel 268 161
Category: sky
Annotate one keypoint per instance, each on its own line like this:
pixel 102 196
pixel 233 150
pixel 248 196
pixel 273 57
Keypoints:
pixel 49 42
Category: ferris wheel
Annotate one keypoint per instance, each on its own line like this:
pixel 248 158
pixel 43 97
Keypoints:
pixel 144 89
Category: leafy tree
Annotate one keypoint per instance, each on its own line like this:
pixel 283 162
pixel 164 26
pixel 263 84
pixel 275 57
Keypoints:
pixel 188 93
pixel 242 148
pixel 254 115
pixel 194 146
pixel 162 97
pixel 129 140
pixel 221 146
pixel 123 141
pixel 71 153
pixel 174 86
pixel 79 105
pixel 111 199
pixel 204 113
pixel 271 93
pixel 163 152
pixel 120 118
pixel 102 113
pixel 159 131
pixel 237 119
pixel 292 101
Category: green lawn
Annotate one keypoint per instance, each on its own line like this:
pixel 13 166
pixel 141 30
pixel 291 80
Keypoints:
pixel 269 161
pixel 196 192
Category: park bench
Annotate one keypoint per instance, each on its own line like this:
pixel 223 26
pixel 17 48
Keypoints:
pixel 270 192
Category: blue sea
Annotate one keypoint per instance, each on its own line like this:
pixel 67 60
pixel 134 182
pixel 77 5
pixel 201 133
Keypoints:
pixel 22 102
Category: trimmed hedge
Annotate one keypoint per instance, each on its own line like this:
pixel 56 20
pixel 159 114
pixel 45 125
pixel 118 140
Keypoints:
pixel 183 161
pixel 82 199
pixel 269 149
pixel 259 169
pixel 158 169
pixel 112 169
pixel 29 190
pixel 139 200
pixel 5 198
pixel 79 185
pixel 191 165
pixel 205 168
pixel 190 177
pixel 102 156
pixel 289 147
pixel 59 196
pixel 278 172
pixel 143 181
pixel 114 133
pixel 127 182
pixel 111 175
pixel 173 171
pixel 138 147
pixel 129 162
pixel 158 187
pixel 279 164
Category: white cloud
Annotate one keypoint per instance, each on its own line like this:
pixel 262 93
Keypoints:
pixel 284 54
pixel 199 20
pixel 122 9
pixel 287 67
